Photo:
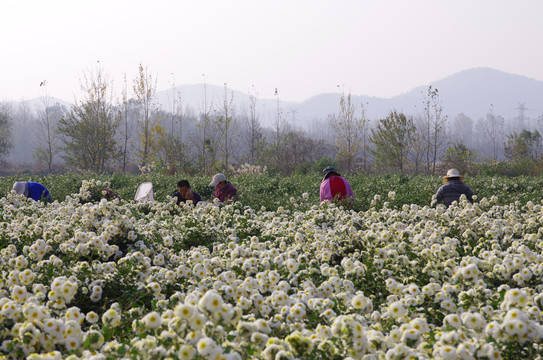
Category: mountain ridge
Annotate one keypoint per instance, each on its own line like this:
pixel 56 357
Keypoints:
pixel 470 91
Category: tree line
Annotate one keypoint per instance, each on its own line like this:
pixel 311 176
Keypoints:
pixel 106 132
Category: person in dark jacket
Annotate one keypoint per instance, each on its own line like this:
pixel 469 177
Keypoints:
pixel 453 188
pixel 184 192
pixel 33 190
pixel 224 190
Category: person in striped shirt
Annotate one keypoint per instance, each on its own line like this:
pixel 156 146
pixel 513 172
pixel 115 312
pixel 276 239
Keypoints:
pixel 335 188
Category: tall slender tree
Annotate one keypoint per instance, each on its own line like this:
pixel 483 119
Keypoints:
pixel 223 123
pixel 434 128
pixel 125 129
pixel 47 149
pixel 144 91
pixel 5 132
pixel 349 130
pixel 88 130
pixel 280 126
pixel 253 128
pixel 203 137
pixel 493 130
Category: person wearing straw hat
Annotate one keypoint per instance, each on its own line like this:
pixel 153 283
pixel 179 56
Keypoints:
pixel 224 190
pixel 33 190
pixel 335 188
pixel 453 188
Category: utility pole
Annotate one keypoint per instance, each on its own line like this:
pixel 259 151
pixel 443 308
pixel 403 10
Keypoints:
pixel 521 115
pixel 173 102
pixel 293 112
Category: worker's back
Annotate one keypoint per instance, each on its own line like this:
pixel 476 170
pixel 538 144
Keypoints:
pixel 336 188
pixel 452 191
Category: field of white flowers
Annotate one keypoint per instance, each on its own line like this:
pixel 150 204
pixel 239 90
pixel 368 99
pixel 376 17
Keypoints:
pixel 108 280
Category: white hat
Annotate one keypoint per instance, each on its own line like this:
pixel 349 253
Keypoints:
pixel 218 178
pixel 453 173
pixel 21 188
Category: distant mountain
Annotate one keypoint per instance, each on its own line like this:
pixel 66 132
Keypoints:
pixel 36 104
pixel 193 96
pixel 470 92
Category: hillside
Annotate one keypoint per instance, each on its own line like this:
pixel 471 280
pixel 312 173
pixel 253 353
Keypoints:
pixel 470 92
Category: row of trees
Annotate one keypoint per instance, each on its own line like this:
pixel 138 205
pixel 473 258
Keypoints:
pixel 421 143
pixel 102 132
pixel 395 141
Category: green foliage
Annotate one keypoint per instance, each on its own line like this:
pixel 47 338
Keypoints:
pixel 523 145
pixel 460 157
pixel 512 168
pixel 349 130
pixel 393 138
pixel 274 191
pixel 296 153
pixel 88 130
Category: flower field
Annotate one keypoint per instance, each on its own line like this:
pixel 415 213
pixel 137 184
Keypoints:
pixel 284 278
pixel 275 191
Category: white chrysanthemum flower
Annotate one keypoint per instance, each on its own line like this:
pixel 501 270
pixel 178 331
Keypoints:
pixel 452 320
pixel 153 320
pixel 71 343
pixel 206 346
pixel 186 352
pixel 197 321
pixel 447 352
pixel 360 302
pixel 473 320
pixel 111 318
pixel 397 310
pixel 211 301
pixel 184 311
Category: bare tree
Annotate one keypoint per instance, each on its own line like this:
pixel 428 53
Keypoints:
pixel 462 129
pixel 349 130
pixel 47 133
pixel 170 144
pixel 419 145
pixel 493 130
pixel 279 125
pixel 253 129
pixel 124 113
pixel 144 90
pixel 5 132
pixel 434 133
pixel 23 118
pixel 223 123
pixel 205 142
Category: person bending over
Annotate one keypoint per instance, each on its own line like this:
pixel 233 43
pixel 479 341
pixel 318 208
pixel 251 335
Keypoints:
pixel 184 192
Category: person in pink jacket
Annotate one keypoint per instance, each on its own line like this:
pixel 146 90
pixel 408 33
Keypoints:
pixel 224 190
pixel 335 188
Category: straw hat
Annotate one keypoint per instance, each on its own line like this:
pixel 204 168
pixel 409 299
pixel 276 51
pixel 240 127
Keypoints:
pixel 452 174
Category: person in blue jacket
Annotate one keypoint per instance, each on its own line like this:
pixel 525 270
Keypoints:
pixel 33 190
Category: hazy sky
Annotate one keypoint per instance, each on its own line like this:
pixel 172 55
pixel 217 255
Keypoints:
pixel 303 48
